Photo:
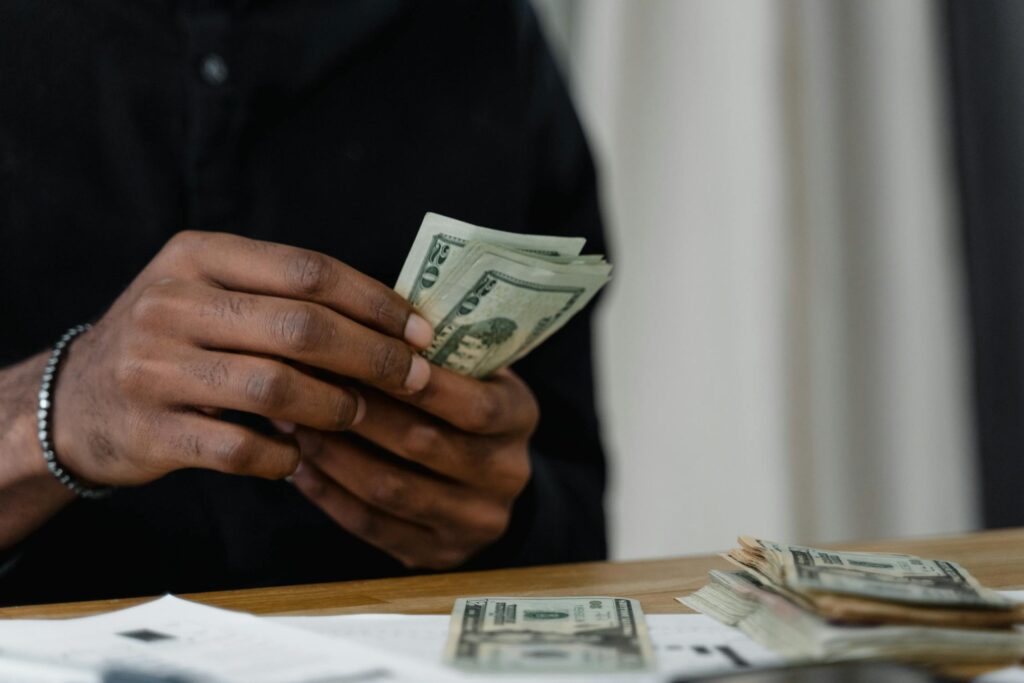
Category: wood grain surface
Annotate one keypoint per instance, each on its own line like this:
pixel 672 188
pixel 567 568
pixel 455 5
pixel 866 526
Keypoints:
pixel 995 557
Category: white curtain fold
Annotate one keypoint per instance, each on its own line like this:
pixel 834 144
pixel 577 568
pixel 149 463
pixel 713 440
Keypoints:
pixel 783 349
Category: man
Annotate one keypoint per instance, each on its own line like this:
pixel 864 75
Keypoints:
pixel 251 385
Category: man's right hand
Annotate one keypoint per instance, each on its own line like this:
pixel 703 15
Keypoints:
pixel 216 322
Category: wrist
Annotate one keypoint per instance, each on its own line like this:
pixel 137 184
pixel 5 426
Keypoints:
pixel 23 462
pixel 29 494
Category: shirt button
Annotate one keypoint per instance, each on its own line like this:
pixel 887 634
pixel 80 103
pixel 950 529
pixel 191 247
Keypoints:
pixel 213 69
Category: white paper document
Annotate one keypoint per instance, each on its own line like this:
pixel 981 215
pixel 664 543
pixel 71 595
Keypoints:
pixel 199 643
pixel 203 644
pixel 683 643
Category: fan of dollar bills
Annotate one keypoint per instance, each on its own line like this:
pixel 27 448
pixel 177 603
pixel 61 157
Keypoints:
pixel 807 603
pixel 494 296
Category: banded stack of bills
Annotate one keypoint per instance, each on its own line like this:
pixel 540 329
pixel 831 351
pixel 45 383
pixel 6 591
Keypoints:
pixel 550 635
pixel 494 296
pixel 807 603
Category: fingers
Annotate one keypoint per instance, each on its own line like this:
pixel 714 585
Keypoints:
pixel 258 385
pixel 196 440
pixel 452 510
pixel 416 436
pixel 246 265
pixel 309 333
pixel 501 404
pixel 410 544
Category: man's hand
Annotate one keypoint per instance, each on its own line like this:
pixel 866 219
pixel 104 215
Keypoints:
pixel 471 439
pixel 219 322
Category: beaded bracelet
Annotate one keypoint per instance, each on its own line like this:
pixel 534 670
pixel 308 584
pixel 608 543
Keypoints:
pixel 49 375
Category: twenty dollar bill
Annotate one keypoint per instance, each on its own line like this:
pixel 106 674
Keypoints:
pixel 811 572
pixel 493 296
pixel 552 635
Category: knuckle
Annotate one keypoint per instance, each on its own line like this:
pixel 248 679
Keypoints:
pixel 301 329
pixel 514 473
pixel 425 441
pixel 310 274
pixel 363 522
pixel 235 453
pixel 153 305
pixel 492 525
pixel 214 374
pixel 182 245
pixel 313 485
pixel 485 412
pixel 285 465
pixel 345 408
pixel 410 561
pixel 390 492
pixel 522 475
pixel 187 444
pixel 447 558
pixel 227 305
pixel 390 363
pixel 531 412
pixel 268 388
pixel 385 314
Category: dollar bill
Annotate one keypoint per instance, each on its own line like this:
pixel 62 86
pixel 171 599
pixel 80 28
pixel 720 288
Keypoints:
pixel 440 242
pixel 879 576
pixel 738 599
pixel 492 296
pixel 549 635
pixel 498 307
pixel 812 603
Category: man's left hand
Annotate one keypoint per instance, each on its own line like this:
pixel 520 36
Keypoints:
pixel 470 435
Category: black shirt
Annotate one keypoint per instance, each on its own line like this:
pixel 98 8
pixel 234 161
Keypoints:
pixel 324 124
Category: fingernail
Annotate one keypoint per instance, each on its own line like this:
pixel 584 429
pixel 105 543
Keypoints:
pixel 283 426
pixel 418 331
pixel 360 409
pixel 419 374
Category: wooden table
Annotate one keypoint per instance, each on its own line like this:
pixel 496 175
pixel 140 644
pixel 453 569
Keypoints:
pixel 995 557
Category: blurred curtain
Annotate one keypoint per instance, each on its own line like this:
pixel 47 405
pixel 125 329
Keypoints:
pixel 782 351
pixel 987 59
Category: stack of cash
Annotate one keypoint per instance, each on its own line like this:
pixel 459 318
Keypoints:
pixel 550 635
pixel 807 603
pixel 494 296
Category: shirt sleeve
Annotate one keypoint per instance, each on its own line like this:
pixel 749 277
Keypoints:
pixel 560 517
